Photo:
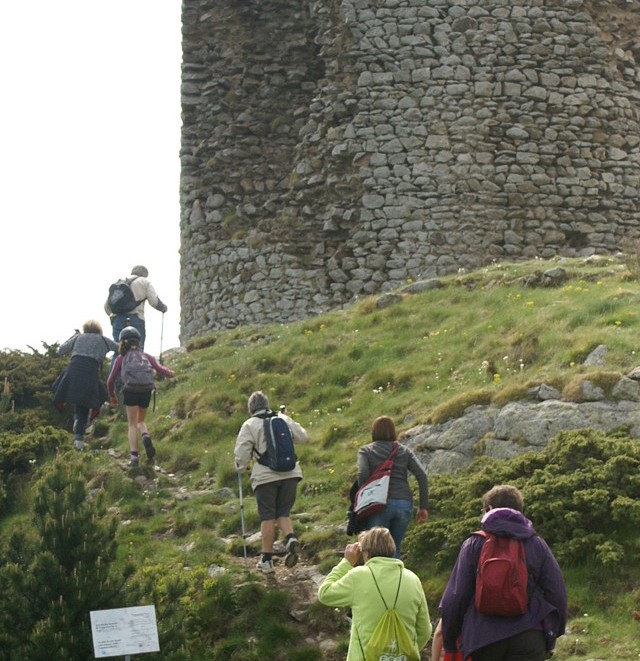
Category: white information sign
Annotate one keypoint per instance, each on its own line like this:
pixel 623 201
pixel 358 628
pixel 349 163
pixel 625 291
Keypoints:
pixel 124 631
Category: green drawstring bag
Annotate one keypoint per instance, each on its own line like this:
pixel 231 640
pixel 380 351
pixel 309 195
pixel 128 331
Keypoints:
pixel 390 640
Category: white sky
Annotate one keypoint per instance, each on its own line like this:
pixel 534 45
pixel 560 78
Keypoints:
pixel 89 163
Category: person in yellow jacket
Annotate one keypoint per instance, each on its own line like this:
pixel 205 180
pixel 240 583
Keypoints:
pixel 348 585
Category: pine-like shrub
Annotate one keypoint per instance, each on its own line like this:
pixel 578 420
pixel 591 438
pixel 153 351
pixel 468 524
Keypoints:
pixel 582 493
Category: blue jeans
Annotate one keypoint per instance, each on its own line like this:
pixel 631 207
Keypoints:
pixel 121 321
pixel 396 517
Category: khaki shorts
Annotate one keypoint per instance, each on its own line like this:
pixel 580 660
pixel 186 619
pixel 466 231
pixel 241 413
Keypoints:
pixel 275 499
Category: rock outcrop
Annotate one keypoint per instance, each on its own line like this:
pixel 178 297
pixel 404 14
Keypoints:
pixel 523 426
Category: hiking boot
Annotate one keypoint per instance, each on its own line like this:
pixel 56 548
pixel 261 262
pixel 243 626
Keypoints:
pixel 265 566
pixel 78 444
pixel 133 463
pixel 291 547
pixel 148 446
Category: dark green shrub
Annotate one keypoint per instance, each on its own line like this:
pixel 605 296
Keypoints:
pixel 19 452
pixel 582 494
pixel 53 572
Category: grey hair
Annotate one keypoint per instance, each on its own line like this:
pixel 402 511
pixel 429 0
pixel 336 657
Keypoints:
pixel 140 270
pixel 257 402
pixel 92 326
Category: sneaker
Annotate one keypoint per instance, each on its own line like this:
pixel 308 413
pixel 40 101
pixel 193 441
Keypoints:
pixel 265 566
pixel 291 558
pixel 78 444
pixel 134 462
pixel 148 446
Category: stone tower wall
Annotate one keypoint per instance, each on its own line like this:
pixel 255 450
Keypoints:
pixel 332 150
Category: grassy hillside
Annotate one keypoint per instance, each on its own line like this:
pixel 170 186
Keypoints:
pixel 479 337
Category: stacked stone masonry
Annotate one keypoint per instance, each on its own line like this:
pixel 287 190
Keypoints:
pixel 335 149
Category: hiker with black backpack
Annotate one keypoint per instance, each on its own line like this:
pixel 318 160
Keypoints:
pixel 126 299
pixel 389 612
pixel 506 598
pixel 81 383
pixel 136 369
pixel 267 437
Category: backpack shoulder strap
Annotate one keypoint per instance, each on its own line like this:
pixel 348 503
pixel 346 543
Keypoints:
pixel 373 576
pixel 390 457
pixel 386 465
pixel 383 601
pixel 399 584
pixel 142 300
pixel 264 417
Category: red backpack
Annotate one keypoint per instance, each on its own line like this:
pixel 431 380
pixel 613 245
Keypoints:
pixel 501 576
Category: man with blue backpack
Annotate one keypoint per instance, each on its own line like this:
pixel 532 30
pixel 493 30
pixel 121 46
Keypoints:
pixel 268 437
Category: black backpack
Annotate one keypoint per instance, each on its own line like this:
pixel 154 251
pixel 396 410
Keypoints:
pixel 280 454
pixel 121 298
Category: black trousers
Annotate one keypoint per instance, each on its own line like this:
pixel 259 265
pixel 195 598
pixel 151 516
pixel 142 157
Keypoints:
pixel 525 646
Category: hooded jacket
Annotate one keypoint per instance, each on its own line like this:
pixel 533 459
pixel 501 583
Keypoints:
pixel 355 587
pixel 547 610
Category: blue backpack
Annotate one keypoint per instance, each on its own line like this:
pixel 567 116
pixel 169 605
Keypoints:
pixel 280 454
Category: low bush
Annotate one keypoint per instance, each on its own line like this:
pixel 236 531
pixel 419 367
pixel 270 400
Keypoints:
pixel 582 493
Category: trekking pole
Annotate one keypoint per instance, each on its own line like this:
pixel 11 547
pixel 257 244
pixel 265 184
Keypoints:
pixel 244 540
pixel 161 337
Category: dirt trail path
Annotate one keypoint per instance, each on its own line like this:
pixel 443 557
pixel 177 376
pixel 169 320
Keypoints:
pixel 320 627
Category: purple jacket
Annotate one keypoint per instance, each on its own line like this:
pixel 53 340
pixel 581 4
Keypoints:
pixel 547 592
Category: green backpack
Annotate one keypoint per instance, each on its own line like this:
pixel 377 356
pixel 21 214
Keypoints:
pixel 390 640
